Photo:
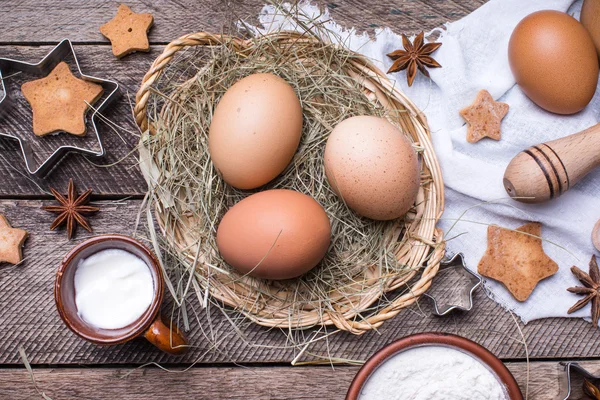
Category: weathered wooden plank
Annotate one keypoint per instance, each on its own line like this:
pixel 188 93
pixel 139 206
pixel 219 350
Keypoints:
pixel 29 317
pixel 50 21
pixel 244 383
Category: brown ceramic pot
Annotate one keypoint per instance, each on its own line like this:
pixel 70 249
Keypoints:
pixel 436 339
pixel 149 325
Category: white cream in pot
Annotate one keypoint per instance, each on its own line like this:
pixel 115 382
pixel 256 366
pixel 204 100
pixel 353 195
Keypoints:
pixel 432 373
pixel 113 288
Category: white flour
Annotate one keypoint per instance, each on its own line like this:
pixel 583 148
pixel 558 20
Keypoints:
pixel 432 373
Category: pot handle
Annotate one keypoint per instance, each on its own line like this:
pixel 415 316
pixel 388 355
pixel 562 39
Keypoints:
pixel 169 341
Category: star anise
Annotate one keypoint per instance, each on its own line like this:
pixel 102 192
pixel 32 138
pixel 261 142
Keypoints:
pixel 416 55
pixel 71 209
pixel 591 289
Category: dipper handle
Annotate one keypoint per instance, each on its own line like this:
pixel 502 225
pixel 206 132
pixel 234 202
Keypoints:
pixel 168 340
pixel 546 171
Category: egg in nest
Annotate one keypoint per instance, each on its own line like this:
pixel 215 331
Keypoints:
pixel 255 130
pixel 372 167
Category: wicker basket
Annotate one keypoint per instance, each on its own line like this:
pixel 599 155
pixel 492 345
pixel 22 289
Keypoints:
pixel 422 247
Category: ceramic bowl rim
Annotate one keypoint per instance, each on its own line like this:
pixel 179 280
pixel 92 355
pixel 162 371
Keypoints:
pixel 434 338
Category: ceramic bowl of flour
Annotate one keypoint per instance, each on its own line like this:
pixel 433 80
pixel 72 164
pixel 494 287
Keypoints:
pixel 434 366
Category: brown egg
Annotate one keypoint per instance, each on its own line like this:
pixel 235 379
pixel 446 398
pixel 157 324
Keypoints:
pixel 554 61
pixel 373 167
pixel 255 130
pixel 275 234
pixel 590 18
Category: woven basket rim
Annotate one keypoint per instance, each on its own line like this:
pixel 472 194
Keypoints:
pixel 423 230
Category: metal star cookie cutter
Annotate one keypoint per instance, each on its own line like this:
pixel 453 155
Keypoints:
pixel 457 262
pixel 59 53
pixel 565 378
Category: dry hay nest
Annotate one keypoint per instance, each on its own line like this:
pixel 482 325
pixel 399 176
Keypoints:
pixel 373 269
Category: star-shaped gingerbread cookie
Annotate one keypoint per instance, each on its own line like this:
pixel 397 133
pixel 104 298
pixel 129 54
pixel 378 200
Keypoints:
pixel 60 101
pixel 484 117
pixel 516 259
pixel 11 242
pixel 128 31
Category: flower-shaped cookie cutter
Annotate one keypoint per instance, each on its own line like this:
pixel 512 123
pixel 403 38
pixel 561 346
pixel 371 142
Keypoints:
pixel 466 289
pixel 62 51
pixel 569 368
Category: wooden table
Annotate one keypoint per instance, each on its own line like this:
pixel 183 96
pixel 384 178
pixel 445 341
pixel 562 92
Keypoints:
pixel 257 365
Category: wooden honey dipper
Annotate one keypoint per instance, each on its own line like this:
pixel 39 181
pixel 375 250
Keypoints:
pixel 546 171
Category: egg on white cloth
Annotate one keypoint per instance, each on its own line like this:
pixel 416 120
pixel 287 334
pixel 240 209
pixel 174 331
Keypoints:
pixel 554 61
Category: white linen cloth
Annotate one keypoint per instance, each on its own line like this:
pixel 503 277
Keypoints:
pixel 474 57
